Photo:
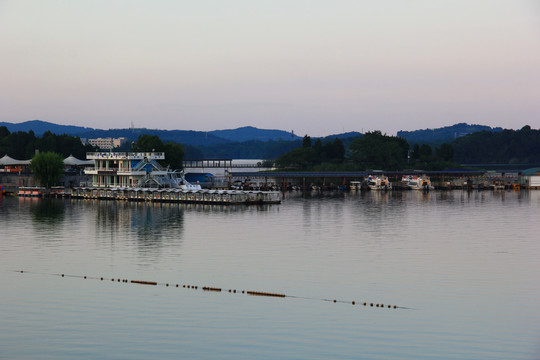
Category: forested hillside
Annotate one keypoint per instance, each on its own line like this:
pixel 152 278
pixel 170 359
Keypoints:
pixel 441 135
pixel 505 147
pixel 22 145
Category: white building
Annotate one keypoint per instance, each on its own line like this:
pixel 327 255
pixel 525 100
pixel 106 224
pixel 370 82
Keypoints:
pixel 107 143
pixel 123 169
pixel 222 167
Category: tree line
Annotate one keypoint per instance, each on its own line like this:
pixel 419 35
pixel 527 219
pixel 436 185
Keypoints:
pixel 24 145
pixel 375 150
pixel 504 147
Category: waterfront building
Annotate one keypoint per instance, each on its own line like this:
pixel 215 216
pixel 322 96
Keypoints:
pixel 107 143
pixel 129 169
pixel 10 165
pixel 531 178
pixel 217 172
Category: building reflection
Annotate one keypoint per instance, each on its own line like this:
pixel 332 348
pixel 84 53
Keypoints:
pixel 46 211
pixel 150 225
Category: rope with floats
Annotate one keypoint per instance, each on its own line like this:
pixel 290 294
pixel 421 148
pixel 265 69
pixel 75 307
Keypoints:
pixel 218 289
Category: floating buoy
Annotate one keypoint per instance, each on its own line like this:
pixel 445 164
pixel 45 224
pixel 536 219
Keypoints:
pixel 143 282
pixel 206 288
pixel 259 293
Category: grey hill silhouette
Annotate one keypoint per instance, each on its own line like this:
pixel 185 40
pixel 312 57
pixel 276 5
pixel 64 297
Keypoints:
pixel 239 135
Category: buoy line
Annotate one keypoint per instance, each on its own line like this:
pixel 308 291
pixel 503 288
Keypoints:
pixel 217 289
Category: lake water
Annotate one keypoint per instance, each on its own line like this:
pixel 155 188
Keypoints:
pixel 462 268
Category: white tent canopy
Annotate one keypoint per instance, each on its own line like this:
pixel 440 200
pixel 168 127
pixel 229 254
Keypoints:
pixel 6 160
pixel 69 161
pixel 73 161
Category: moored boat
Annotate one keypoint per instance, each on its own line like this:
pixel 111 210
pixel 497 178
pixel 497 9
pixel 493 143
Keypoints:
pixel 417 182
pixel 380 182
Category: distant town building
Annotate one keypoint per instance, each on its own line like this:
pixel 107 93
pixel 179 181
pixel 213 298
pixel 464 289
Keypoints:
pixel 107 143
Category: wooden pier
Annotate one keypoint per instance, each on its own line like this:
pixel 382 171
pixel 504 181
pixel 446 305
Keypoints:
pixel 204 196
pixel 353 180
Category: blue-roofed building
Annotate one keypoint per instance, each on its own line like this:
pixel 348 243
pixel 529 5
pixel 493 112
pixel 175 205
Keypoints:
pixel 530 178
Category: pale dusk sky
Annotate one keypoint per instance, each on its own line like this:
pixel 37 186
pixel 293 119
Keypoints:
pixel 314 67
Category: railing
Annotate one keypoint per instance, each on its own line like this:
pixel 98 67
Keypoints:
pixel 125 155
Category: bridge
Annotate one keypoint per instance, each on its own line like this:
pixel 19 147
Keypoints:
pixel 220 164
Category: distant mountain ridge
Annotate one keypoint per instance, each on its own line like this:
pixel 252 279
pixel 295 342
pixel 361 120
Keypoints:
pixel 240 135
pixel 39 127
pixel 445 134
pixel 250 133
pixel 187 137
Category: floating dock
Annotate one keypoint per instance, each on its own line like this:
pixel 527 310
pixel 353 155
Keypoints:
pixel 30 191
pixel 202 196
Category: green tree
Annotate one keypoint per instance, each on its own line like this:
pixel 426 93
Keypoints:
pixel 174 154
pixel 4 132
pixel 334 151
pixel 416 152
pixel 147 143
pixel 4 135
pixel 297 158
pixel 318 147
pixel 445 152
pixel 47 168
pixel 306 142
pixel 377 151
pixel 20 144
pixel 425 151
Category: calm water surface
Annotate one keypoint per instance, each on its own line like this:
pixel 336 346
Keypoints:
pixel 465 267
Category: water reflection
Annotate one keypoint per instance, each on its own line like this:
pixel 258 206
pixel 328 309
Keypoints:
pixel 466 261
pixel 149 223
pixel 47 211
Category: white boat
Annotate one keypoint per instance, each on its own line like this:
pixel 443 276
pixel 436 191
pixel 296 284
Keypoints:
pixel 378 182
pixel 417 182
pixel 179 181
pixel 356 185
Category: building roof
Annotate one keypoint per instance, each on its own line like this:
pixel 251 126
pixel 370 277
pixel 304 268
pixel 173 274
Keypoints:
pixel 73 161
pixel 531 171
pixel 6 160
pixel 69 161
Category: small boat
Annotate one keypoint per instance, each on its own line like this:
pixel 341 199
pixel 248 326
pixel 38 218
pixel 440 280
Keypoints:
pixel 378 182
pixel 355 185
pixel 31 191
pixel 416 182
